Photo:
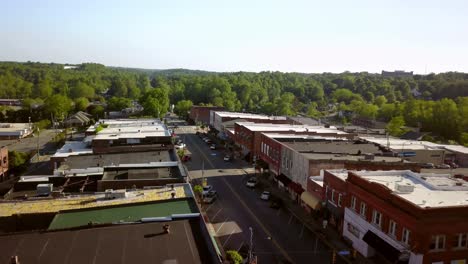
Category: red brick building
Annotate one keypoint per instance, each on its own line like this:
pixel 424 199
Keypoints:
pixel 249 135
pixel 3 163
pixel 407 217
pixel 202 113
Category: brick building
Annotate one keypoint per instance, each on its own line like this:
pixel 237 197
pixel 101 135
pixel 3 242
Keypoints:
pixel 407 217
pixel 249 135
pixel 217 118
pixel 201 114
pixel 3 163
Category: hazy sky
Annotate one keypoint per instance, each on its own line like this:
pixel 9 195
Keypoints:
pixel 240 35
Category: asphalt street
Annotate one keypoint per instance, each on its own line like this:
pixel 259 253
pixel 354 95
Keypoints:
pixel 277 237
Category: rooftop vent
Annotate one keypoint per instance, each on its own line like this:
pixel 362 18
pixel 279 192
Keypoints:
pixel 404 187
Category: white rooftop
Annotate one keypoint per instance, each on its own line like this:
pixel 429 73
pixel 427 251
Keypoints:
pixel 342 174
pixel 403 144
pixel 155 130
pixel 425 190
pixel 456 148
pixel 73 148
pixel 248 115
pixel 299 136
pixel 293 128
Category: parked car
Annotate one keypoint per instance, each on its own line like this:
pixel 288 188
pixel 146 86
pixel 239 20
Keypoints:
pixel 213 146
pixel 210 196
pixel 209 142
pixel 427 165
pixel 453 165
pixel 227 158
pixel 265 196
pixel 207 189
pixel 443 166
pixel 252 182
pixel 180 146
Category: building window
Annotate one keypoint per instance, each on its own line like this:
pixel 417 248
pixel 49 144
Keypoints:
pixel 332 199
pixel 339 200
pixel 377 218
pixel 392 227
pixel 362 210
pixel 461 240
pixel 437 242
pixel 326 190
pixel 406 236
pixel 353 203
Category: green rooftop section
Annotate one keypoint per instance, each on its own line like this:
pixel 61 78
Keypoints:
pixel 127 213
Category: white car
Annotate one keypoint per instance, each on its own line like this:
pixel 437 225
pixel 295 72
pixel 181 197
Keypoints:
pixel 207 189
pixel 265 195
pixel 252 182
pixel 210 197
pixel 227 158
pixel 180 146
pixel 213 146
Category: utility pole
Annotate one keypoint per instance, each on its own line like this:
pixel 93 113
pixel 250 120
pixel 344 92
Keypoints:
pixel 38 155
pixel 251 245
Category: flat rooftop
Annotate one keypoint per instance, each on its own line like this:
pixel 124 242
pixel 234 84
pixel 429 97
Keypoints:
pixel 130 213
pixel 51 205
pixel 403 144
pixel 9 127
pixel 344 157
pixel 248 116
pixel 426 190
pixel 348 147
pixel 141 173
pixel 130 243
pixel 73 148
pixel 293 128
pixel 116 159
pixel 292 137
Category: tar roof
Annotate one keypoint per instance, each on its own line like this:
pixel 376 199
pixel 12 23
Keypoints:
pixel 248 116
pixel 8 208
pixel 128 213
pixel 286 137
pixel 344 157
pixel 115 159
pixel 293 128
pixel 424 190
pixel 332 147
pixel 133 243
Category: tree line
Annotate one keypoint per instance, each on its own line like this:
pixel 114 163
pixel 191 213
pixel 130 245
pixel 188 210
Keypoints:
pixel 436 102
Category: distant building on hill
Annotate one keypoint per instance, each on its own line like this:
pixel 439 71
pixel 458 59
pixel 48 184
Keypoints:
pixel 397 74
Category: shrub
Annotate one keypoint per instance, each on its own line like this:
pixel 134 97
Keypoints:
pixel 234 257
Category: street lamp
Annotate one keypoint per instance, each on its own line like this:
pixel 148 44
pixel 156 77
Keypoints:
pixel 251 244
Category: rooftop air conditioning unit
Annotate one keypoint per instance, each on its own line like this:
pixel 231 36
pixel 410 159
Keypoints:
pixel 44 189
pixel 404 187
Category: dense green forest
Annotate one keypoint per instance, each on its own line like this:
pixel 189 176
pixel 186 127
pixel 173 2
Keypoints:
pixel 436 103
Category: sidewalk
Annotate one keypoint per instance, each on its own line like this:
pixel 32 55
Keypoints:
pixel 329 235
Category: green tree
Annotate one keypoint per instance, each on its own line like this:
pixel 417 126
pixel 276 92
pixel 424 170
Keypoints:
pixel 182 108
pixel 58 105
pixel 380 100
pixel 118 103
pixel 155 102
pixel 312 110
pixel 81 104
pixel 396 126
pixel 234 257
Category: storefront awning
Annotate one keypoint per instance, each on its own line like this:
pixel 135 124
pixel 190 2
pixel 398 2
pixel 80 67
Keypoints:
pixel 310 199
pixel 297 188
pixel 283 179
pixel 381 246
